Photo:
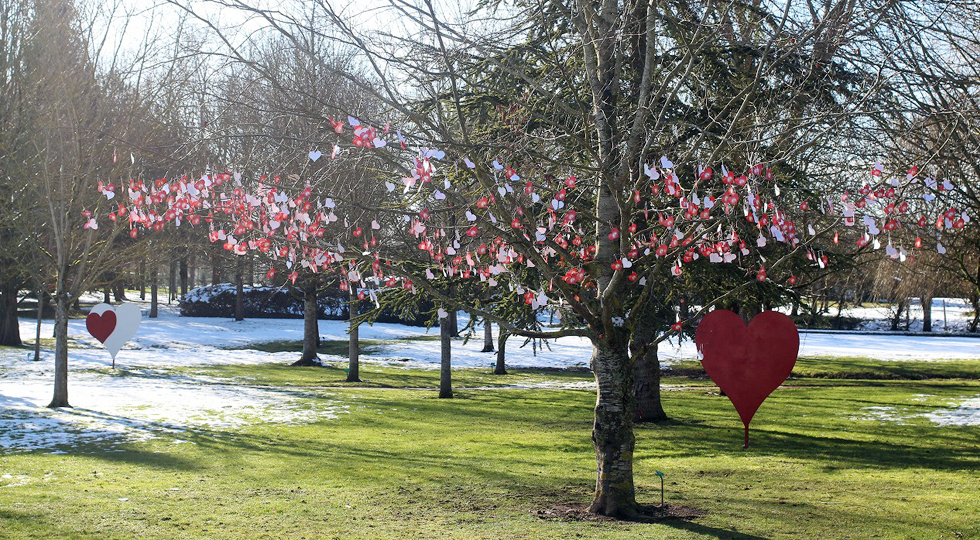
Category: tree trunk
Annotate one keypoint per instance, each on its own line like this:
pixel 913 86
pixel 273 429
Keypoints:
pixel 9 325
pixel 926 313
pixel 309 357
pixel 453 324
pixel 446 370
pixel 487 336
pixel 240 293
pixel 37 334
pixel 354 354
pixel 119 292
pixel 215 268
pixel 646 387
pixel 612 432
pixel 154 293
pixel 105 295
pixel 192 271
pixel 183 277
pixel 500 368
pixel 60 398
pixel 172 290
pixel 897 319
pixel 143 280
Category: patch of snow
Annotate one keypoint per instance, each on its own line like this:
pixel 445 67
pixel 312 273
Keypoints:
pixel 114 410
pixel 967 414
pixel 884 414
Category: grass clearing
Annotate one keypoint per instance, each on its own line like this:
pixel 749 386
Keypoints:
pixel 403 464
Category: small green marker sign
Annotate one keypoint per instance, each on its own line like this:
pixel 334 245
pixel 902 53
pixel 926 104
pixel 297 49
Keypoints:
pixel 661 475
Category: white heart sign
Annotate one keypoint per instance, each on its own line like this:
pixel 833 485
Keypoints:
pixel 114 325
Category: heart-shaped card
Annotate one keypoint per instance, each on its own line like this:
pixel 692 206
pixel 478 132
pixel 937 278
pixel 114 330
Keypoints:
pixel 113 325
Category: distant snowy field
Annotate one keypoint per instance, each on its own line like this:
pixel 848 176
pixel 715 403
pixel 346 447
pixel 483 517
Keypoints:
pixel 153 403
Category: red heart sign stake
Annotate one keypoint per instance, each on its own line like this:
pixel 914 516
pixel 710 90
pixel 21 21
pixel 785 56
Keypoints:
pixel 747 363
pixel 101 326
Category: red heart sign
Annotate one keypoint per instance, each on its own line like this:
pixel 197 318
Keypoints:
pixel 747 363
pixel 101 326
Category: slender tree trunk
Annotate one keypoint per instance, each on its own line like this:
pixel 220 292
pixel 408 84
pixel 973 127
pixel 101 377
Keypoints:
pixel 143 280
pixel 9 325
pixel 119 292
pixel 37 334
pixel 487 336
pixel 354 353
pixel 154 293
pixel 446 369
pixel 646 387
pixel 60 398
pixel 172 292
pixel 215 267
pixel 105 295
pixel 840 311
pixel 897 319
pixel 453 324
pixel 612 432
pixel 183 277
pixel 500 368
pixel 309 357
pixel 240 292
pixel 926 313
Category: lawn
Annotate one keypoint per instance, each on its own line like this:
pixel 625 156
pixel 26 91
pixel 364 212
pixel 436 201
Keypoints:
pixel 829 459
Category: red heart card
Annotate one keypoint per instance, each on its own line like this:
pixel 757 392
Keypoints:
pixel 101 326
pixel 747 362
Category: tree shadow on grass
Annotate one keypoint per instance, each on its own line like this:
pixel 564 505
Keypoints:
pixel 711 532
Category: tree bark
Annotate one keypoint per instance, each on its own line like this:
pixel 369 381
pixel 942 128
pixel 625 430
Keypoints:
pixel 501 368
pixel 897 319
pixel 453 324
pixel 487 336
pixel 646 387
pixel 926 313
pixel 154 293
pixel 37 334
pixel 9 325
pixel 60 398
pixel 612 432
pixel 354 353
pixel 183 277
pixel 446 371
pixel 143 280
pixel 172 290
pixel 240 292
pixel 215 269
pixel 192 271
pixel 105 295
pixel 309 357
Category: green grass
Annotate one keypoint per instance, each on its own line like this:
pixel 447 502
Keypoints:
pixel 403 464
pixel 374 375
pixel 862 368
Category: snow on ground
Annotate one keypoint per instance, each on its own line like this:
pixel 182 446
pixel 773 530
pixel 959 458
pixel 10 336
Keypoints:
pixel 967 413
pixel 172 340
pixel 114 410
pixel 948 315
